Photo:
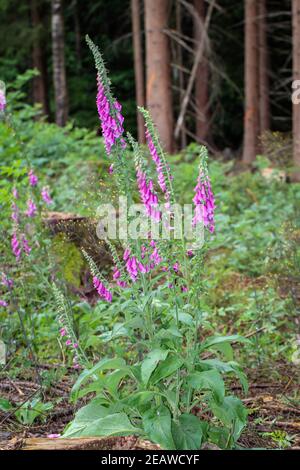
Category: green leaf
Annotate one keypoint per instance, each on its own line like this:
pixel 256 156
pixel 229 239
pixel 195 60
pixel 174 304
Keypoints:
pixel 5 405
pixel 150 362
pixel 188 432
pixel 166 368
pixel 157 425
pixel 214 340
pixel 104 364
pixel 208 380
pixel 227 367
pixel 116 424
pixel 232 413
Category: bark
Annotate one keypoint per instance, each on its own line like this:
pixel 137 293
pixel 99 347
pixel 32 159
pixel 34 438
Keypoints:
pixel 183 139
pixel 201 82
pixel 59 68
pixel 158 93
pixel 38 59
pixel 251 127
pixel 296 76
pixel 263 79
pixel 138 66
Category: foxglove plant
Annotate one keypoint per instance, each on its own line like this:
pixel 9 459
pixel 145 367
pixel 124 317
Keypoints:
pixel 172 387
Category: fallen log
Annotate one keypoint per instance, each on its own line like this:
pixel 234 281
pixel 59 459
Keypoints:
pixel 82 443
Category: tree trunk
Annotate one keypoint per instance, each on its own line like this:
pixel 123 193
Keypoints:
pixel 183 139
pixel 296 76
pixel 59 69
pixel 251 85
pixel 159 93
pixel 77 32
pixel 38 60
pixel 201 82
pixel 138 66
pixel 263 79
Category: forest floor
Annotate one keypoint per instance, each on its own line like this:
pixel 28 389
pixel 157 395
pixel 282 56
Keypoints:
pixel 274 417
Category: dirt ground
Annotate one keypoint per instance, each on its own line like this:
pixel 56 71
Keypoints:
pixel 274 414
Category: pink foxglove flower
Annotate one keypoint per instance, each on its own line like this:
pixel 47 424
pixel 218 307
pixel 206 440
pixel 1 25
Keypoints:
pixel 15 212
pixel 5 281
pixel 111 169
pixel 102 290
pixel 159 166
pixel 53 436
pixel 111 119
pixel 3 303
pixel 68 342
pixel 204 203
pixel 31 208
pixel 33 179
pixel 62 332
pixel 25 245
pixel 16 246
pixel 2 101
pixel 46 196
pixel 149 198
pixel 15 193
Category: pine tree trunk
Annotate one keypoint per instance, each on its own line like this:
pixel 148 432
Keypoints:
pixel 138 66
pixel 59 69
pixel 159 93
pixel 264 103
pixel 38 60
pixel 183 139
pixel 251 127
pixel 201 82
pixel 296 76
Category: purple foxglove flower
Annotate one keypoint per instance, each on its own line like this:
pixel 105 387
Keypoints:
pixel 159 165
pixel 53 436
pixel 2 101
pixel 148 197
pixel 111 169
pixel 25 245
pixel 204 203
pixel 111 119
pixel 5 281
pixel 31 208
pixel 33 179
pixel 68 342
pixel 3 303
pixel 62 332
pixel 15 212
pixel 15 193
pixel 15 247
pixel 46 196
pixel 176 267
pixel 102 290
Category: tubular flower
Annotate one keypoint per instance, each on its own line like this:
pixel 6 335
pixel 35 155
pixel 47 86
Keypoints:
pixel 2 101
pixel 46 196
pixel 15 246
pixel 111 120
pixel 159 165
pixel 204 203
pixel 25 245
pixel 3 303
pixel 133 266
pixel 149 198
pixel 5 281
pixel 102 290
pixel 31 208
pixel 15 212
pixel 117 276
pixel 33 179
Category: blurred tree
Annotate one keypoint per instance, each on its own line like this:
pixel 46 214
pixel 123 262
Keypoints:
pixel 251 127
pixel 159 96
pixel 201 82
pixel 138 66
pixel 59 68
pixel 40 94
pixel 296 76
pixel 263 79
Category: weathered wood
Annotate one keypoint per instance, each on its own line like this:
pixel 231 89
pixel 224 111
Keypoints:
pixel 83 443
